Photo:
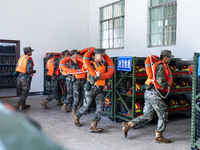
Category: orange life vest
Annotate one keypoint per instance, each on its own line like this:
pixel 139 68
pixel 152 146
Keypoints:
pixel 50 66
pixel 168 76
pixel 22 63
pixel 102 69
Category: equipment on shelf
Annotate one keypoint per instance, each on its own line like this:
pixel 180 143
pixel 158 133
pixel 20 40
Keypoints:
pixel 175 84
pixel 139 68
pixel 173 68
pixel 183 83
pixel 184 67
pixel 107 103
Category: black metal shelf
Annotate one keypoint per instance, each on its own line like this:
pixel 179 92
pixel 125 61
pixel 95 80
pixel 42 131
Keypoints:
pixel 6 75
pixel 8 86
pixel 7 64
pixel 7 54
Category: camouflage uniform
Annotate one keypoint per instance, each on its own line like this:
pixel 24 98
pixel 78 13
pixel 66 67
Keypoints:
pixel 56 92
pixel 69 89
pixel 153 101
pixel 92 92
pixel 78 85
pixel 24 82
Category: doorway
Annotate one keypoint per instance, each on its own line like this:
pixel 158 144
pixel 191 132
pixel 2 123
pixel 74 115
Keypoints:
pixel 9 54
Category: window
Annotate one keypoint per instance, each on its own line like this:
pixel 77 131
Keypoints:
pixel 162 23
pixel 112 25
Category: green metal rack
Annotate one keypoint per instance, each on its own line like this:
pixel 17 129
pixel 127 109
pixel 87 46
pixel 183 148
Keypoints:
pixel 109 95
pixel 128 101
pixel 195 120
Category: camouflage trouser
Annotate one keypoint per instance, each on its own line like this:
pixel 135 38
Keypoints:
pixel 56 92
pixel 69 88
pixel 78 92
pixel 93 93
pixel 153 102
pixel 23 89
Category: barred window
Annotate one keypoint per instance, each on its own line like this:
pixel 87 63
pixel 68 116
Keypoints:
pixel 162 23
pixel 112 25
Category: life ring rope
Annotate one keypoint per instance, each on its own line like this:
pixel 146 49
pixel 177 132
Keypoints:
pixel 153 80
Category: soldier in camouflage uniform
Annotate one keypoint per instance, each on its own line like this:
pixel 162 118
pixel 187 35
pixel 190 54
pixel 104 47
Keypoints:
pixel 25 69
pixel 154 102
pixel 93 91
pixel 56 92
pixel 69 88
pixel 78 83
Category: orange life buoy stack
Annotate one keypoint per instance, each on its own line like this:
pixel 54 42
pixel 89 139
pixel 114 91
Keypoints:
pixel 87 64
pixel 66 70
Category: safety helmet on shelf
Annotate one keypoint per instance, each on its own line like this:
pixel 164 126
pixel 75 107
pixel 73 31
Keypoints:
pixel 139 68
pixel 137 86
pixel 183 83
pixel 173 68
pixel 184 67
pixel 175 84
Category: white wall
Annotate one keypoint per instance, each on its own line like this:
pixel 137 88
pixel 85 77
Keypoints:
pixel 55 25
pixel 45 25
pixel 136 15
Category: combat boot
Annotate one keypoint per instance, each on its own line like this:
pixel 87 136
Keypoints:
pixel 160 139
pixel 64 108
pixel 76 121
pixel 94 127
pixel 17 106
pixel 59 102
pixel 126 127
pixel 73 112
pixel 24 106
pixel 44 104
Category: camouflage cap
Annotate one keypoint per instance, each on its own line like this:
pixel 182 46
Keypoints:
pixel 66 52
pixel 99 51
pixel 166 53
pixel 50 55
pixel 27 49
pixel 74 51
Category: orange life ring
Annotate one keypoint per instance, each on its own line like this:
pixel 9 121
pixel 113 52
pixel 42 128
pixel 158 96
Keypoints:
pixel 65 70
pixel 87 65
pixel 82 52
pixel 150 59
pixel 149 67
pixel 191 69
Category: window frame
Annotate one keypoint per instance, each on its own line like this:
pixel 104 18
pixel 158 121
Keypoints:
pixel 163 19
pixel 121 27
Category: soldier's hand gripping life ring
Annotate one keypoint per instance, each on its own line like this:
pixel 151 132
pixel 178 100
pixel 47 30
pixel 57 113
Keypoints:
pixel 66 70
pixel 88 67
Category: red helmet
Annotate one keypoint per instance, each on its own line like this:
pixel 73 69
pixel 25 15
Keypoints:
pixel 137 86
pixel 139 68
pixel 138 107
pixel 173 68
pixel 182 102
pixel 184 67
pixel 173 103
pixel 183 83
pixel 175 84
